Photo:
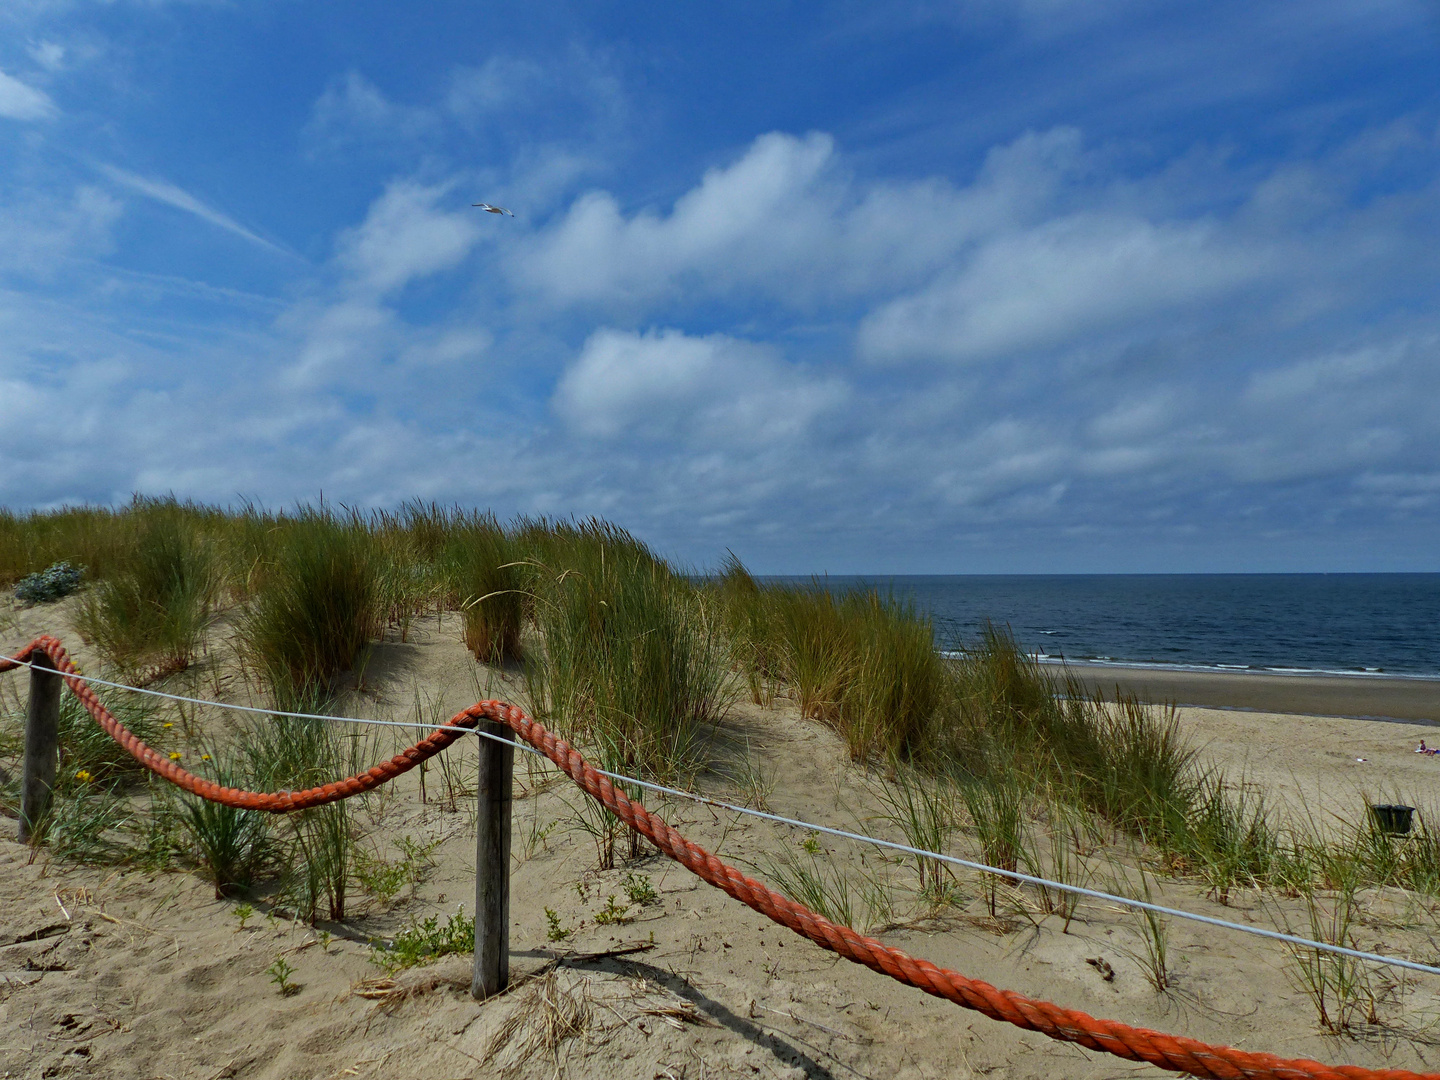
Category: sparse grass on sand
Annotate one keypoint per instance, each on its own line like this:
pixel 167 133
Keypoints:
pixel 637 663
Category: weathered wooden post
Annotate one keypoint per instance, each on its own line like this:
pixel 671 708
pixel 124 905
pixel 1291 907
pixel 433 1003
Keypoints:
pixel 492 863
pixel 42 745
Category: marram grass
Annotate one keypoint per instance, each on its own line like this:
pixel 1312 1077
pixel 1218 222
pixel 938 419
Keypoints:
pixel 637 662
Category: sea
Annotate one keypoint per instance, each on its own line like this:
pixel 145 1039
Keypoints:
pixel 1378 624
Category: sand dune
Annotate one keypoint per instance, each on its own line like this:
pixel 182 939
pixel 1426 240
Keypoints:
pixel 120 973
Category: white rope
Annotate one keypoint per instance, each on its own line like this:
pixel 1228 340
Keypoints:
pixel 1013 875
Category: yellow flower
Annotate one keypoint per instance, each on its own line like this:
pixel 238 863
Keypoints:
pixel 83 774
pixel 167 725
pixel 174 755
pixel 204 757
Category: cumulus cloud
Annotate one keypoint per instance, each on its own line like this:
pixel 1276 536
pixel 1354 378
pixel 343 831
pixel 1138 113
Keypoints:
pixel 664 384
pixel 785 220
pixel 405 236
pixel 18 101
pixel 1057 282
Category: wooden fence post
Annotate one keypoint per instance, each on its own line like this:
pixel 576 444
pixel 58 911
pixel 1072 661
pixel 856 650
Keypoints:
pixel 42 745
pixel 492 863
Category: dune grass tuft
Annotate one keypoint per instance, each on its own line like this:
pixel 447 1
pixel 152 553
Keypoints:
pixel 633 661
pixel 486 579
pixel 153 610
pixel 316 606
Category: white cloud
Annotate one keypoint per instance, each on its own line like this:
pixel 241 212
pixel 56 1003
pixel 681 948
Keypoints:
pixel 574 85
pixel 714 389
pixel 39 234
pixel 163 191
pixel 21 102
pixel 346 339
pixel 785 220
pixel 353 110
pixel 48 54
pixel 1336 373
pixel 1057 282
pixel 501 83
pixel 1143 416
pixel 446 347
pixel 405 237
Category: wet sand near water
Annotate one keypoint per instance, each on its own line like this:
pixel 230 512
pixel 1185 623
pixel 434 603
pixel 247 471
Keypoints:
pixel 1415 700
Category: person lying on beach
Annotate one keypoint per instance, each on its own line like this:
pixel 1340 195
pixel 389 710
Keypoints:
pixel 1423 749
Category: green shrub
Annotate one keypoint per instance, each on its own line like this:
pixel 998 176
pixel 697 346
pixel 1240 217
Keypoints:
pixel 86 747
pixel 863 663
pixel 315 850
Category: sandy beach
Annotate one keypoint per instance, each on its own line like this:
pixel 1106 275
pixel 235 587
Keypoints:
pixel 119 972
pixel 1373 696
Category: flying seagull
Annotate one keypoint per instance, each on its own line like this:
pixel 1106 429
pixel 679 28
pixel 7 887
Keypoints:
pixel 492 209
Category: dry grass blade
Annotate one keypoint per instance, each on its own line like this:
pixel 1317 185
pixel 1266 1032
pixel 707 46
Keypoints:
pixel 675 1014
pixel 546 1014
pixel 390 993
pixel 375 989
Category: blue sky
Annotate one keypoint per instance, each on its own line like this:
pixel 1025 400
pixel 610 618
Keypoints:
pixel 930 287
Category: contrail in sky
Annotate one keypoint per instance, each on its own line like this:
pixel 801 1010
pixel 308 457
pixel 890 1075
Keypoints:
pixel 165 192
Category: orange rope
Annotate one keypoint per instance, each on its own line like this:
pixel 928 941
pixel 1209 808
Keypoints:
pixel 1173 1052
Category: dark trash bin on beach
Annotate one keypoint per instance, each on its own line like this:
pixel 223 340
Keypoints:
pixel 1392 818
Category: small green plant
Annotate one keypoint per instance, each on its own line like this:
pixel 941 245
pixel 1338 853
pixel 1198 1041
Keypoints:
pixel 244 912
pixel 537 835
pixel 811 844
pixel 554 931
pixel 325 845
pixel 754 781
pixel 613 914
pixel 325 939
pixel 86 826
pixel 1060 863
pixel 280 972
pixel 1339 987
pixel 424 940
pixel 638 889
pixel 383 879
pixel 378 878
